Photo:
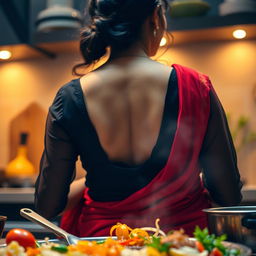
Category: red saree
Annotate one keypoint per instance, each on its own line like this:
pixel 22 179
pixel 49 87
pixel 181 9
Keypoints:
pixel 176 194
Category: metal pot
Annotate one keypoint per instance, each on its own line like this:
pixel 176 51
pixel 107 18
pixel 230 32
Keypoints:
pixel 238 222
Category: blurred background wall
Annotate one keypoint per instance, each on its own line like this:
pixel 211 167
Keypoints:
pixel 230 65
pixel 29 83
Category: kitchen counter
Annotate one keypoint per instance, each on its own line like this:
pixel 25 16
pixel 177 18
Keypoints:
pixel 17 195
pixel 249 195
pixel 11 201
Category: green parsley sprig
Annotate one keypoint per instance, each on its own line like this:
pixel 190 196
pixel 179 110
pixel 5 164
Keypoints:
pixel 211 241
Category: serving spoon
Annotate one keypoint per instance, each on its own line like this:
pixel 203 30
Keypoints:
pixel 36 218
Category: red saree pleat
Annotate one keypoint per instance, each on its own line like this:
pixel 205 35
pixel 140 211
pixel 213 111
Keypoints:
pixel 176 194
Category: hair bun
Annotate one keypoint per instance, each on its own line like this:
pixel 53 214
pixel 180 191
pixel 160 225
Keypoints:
pixel 121 33
pixel 114 23
pixel 107 7
pixel 112 31
pixel 101 24
pixel 92 46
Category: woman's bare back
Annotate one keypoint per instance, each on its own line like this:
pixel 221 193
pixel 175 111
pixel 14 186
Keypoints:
pixel 125 101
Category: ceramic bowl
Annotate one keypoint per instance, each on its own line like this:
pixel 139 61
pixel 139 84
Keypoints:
pixel 2 222
pixel 188 8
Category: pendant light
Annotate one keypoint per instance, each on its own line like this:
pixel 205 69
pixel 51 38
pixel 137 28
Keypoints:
pixel 59 14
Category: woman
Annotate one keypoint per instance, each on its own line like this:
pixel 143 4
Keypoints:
pixel 143 131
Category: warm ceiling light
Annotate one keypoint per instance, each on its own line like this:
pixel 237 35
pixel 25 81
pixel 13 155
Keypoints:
pixel 239 34
pixel 5 55
pixel 59 15
pixel 163 41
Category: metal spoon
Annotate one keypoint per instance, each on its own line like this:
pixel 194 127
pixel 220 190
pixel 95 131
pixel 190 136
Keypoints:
pixel 36 218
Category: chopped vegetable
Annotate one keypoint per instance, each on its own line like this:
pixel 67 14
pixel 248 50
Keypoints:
pixel 175 243
pixel 121 230
pixel 100 242
pixel 132 242
pixel 216 252
pixel 33 251
pixel 157 244
pixel 199 246
pixel 137 232
pixel 213 244
pixel 60 248
pixel 153 252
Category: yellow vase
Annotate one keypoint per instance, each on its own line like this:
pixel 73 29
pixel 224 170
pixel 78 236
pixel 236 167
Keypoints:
pixel 20 166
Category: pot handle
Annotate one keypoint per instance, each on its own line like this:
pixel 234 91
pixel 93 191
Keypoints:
pixel 249 222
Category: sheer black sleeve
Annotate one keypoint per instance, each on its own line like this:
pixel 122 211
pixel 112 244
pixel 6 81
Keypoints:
pixel 57 170
pixel 218 158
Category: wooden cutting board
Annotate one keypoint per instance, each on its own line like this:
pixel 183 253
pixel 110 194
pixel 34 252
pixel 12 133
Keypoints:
pixel 31 120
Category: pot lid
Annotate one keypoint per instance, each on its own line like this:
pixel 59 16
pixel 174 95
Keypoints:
pixel 232 210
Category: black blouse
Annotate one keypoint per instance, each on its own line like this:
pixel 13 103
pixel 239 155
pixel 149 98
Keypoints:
pixel 70 133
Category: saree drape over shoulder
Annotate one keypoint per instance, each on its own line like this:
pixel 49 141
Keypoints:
pixel 175 194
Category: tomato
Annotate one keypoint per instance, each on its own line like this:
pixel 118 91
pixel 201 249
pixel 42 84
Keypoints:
pixel 216 252
pixel 22 236
pixel 199 246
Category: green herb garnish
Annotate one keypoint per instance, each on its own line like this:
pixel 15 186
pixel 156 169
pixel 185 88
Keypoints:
pixel 211 241
pixel 156 243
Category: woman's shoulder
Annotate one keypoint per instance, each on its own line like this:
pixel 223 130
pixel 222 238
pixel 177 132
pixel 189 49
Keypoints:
pixel 68 88
pixel 186 69
pixel 65 95
pixel 193 74
pixel 141 69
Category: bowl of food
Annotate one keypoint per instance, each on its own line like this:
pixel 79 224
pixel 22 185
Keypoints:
pixel 126 241
pixel 2 223
pixel 188 8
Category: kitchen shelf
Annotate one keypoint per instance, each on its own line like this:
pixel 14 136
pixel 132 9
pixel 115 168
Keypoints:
pixel 211 28
pixel 184 30
pixel 208 22
pixel 205 28
pixel 213 34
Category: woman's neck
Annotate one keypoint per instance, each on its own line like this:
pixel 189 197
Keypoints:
pixel 134 51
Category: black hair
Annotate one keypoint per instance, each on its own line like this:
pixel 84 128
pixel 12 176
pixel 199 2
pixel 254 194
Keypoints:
pixel 115 24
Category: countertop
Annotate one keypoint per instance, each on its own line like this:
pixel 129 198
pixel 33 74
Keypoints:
pixel 26 195
pixel 249 194
pixel 17 195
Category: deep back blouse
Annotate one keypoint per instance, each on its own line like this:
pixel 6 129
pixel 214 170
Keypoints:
pixel 70 133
